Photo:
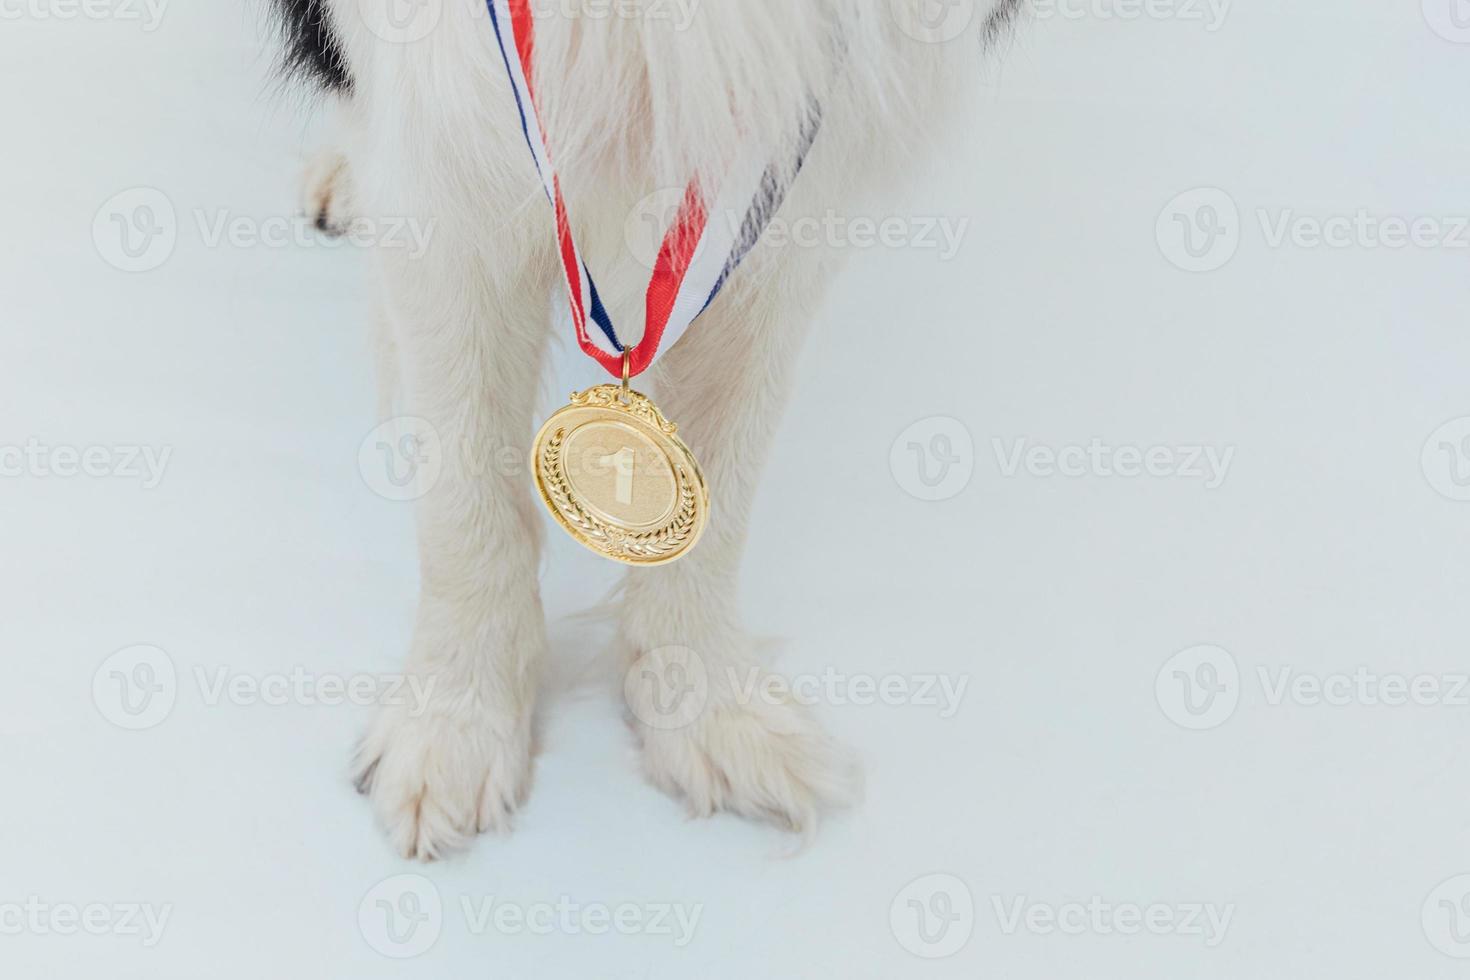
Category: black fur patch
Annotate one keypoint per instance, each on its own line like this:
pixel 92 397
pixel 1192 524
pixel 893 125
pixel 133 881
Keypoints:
pixel 1000 22
pixel 312 50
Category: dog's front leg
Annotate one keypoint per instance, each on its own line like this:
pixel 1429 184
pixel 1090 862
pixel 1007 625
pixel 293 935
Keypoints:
pixel 456 761
pixel 714 731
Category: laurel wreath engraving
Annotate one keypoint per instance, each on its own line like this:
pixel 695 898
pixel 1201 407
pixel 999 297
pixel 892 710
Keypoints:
pixel 645 546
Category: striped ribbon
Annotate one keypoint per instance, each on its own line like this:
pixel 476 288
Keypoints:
pixel 699 251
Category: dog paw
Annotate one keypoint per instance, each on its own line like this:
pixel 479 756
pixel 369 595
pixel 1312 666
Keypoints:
pixel 438 778
pixel 761 757
pixel 326 193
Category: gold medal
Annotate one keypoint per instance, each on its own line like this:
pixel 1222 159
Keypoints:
pixel 617 477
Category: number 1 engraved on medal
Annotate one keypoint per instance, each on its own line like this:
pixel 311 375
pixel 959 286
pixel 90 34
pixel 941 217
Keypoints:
pixel 622 462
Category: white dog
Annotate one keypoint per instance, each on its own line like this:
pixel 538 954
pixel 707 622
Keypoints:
pixel 637 96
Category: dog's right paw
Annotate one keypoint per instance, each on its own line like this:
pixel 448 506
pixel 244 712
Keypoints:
pixel 327 193
pixel 436 779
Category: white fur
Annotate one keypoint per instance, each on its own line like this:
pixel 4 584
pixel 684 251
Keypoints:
pixel 633 105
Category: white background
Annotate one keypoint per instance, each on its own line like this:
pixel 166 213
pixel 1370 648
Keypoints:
pixel 1327 548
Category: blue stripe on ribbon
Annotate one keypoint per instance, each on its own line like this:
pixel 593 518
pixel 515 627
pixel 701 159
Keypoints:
pixel 772 195
pixel 510 77
pixel 599 313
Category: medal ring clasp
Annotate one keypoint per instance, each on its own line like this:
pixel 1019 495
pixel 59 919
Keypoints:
pixel 627 374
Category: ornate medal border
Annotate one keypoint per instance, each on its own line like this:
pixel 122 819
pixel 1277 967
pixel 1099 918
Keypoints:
pixel 656 547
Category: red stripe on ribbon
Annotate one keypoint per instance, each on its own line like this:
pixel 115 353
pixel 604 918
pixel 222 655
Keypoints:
pixel 669 271
pixel 524 31
pixel 569 257
pixel 521 20
pixel 612 363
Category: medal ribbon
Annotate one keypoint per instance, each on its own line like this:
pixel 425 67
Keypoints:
pixel 699 251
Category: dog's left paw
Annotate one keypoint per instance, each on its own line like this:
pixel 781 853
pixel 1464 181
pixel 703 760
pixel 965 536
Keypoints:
pixel 762 758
